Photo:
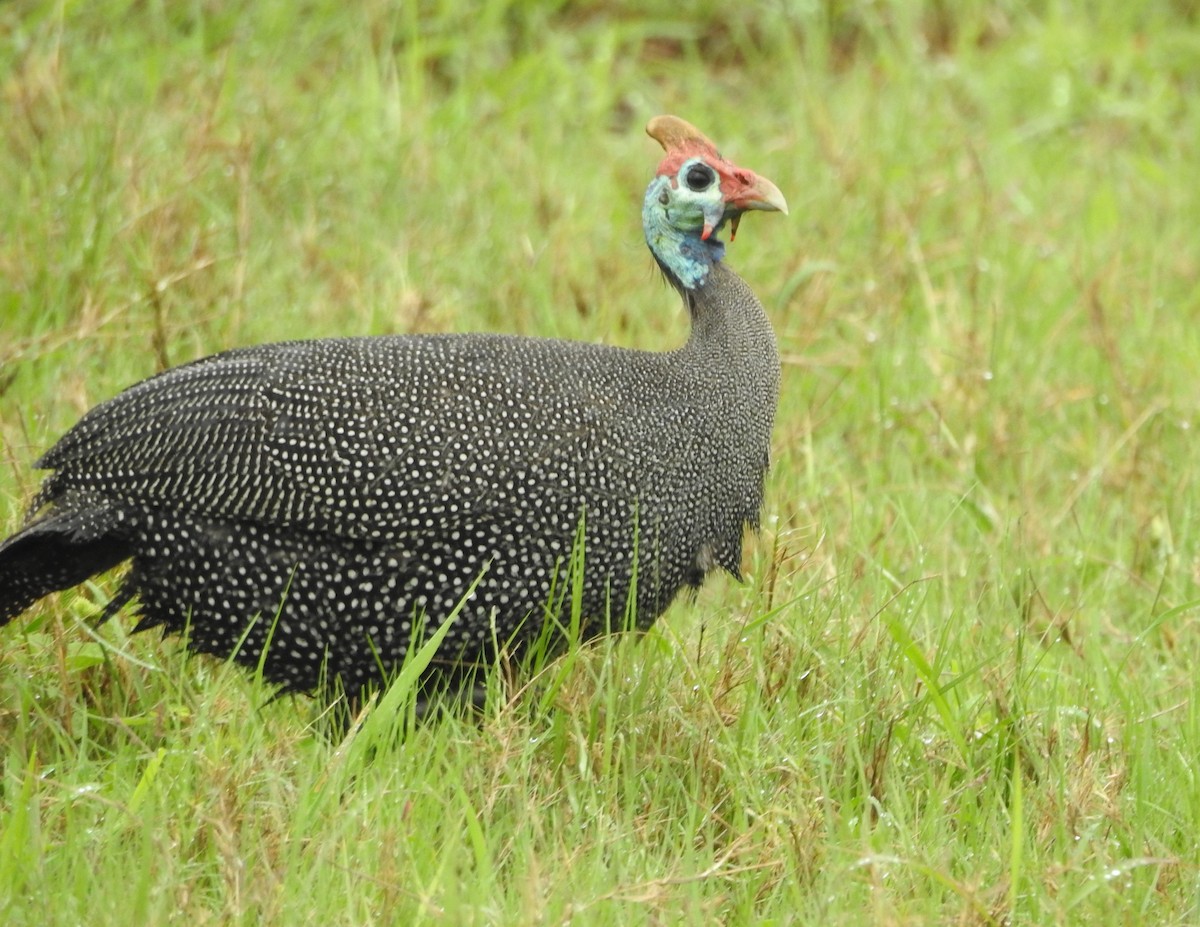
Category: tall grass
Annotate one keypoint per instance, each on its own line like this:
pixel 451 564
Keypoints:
pixel 958 684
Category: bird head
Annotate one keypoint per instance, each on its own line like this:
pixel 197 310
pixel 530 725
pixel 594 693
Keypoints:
pixel 695 191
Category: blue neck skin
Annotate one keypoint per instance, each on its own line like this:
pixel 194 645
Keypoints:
pixel 673 234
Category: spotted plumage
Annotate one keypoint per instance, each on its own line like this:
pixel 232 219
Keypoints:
pixel 324 499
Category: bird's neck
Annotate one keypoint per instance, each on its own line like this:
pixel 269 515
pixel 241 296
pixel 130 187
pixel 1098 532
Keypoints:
pixel 684 257
pixel 729 322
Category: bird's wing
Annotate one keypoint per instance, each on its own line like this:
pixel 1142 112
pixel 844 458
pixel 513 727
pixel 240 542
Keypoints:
pixel 376 438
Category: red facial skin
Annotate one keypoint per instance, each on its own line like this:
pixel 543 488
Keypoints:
pixel 741 189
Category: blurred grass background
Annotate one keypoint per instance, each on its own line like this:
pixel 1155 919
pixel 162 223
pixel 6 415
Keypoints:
pixel 958 685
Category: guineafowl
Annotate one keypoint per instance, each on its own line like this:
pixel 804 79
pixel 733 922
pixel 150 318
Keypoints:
pixel 309 506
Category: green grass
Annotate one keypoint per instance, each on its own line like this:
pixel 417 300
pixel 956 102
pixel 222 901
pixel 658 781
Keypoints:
pixel 959 684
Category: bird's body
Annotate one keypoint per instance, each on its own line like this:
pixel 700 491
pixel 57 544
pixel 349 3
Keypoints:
pixel 323 499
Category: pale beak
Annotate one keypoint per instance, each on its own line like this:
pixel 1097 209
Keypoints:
pixel 762 194
pixel 752 192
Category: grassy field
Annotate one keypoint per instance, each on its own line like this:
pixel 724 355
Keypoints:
pixel 959 683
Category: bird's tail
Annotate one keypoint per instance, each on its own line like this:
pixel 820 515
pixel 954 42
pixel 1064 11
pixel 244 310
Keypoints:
pixel 57 551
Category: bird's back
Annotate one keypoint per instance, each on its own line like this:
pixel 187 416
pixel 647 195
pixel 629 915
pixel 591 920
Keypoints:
pixel 372 438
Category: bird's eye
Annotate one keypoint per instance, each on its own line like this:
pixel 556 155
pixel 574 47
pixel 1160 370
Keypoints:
pixel 699 177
